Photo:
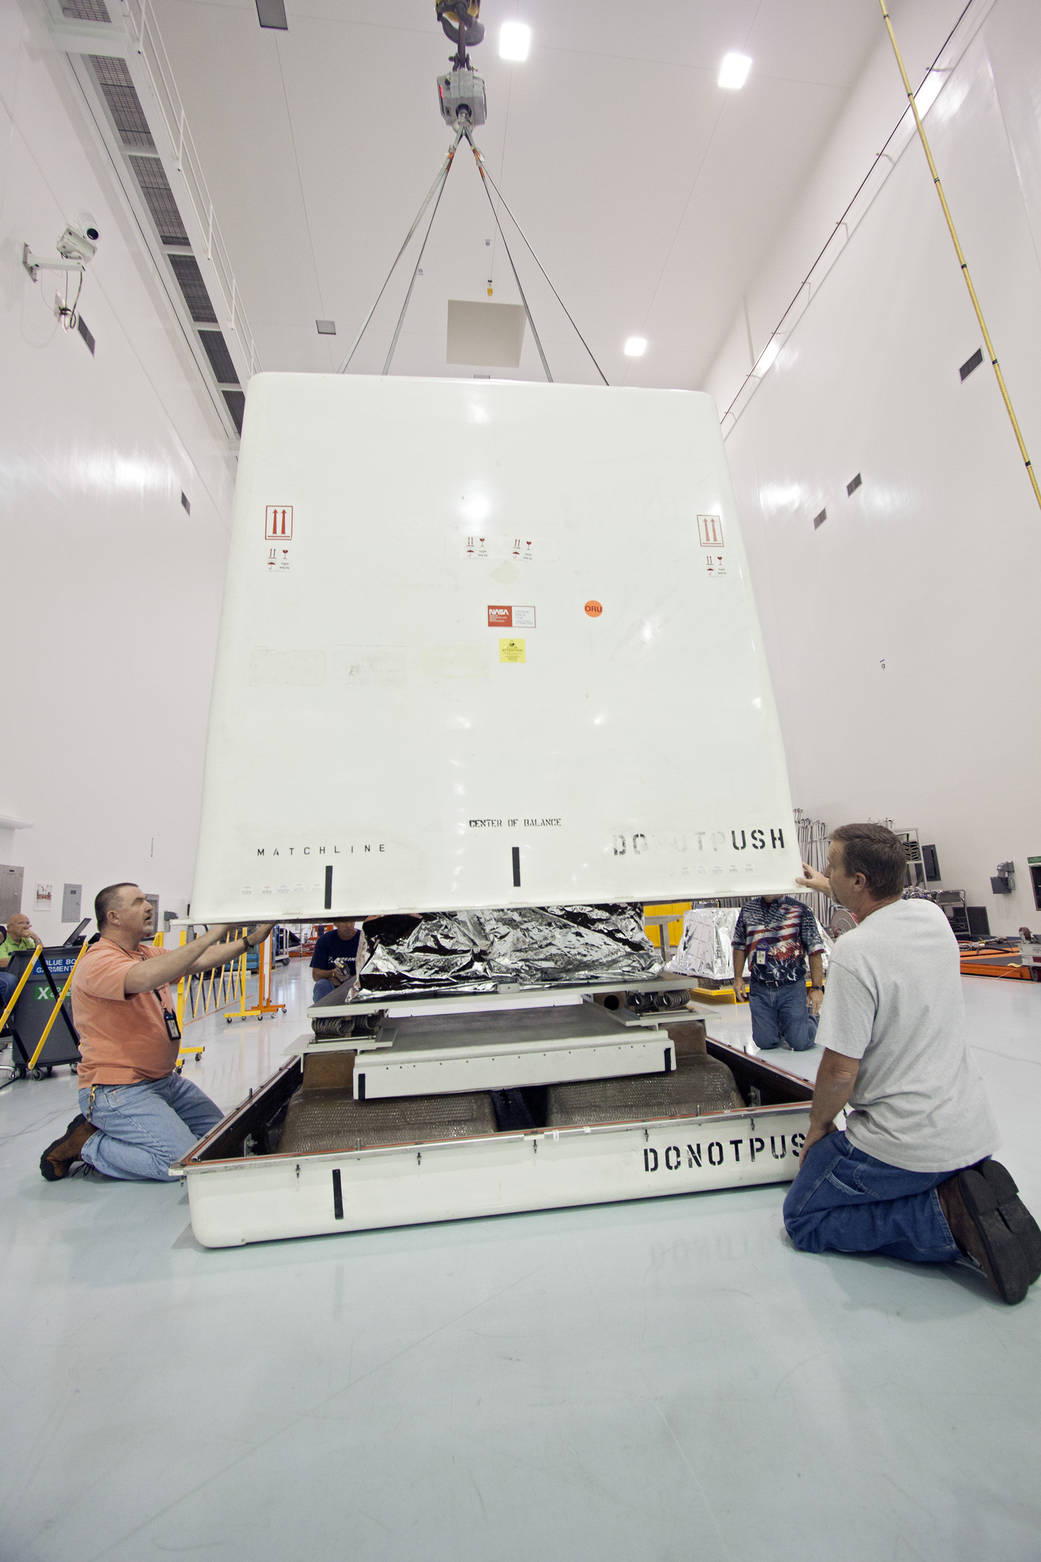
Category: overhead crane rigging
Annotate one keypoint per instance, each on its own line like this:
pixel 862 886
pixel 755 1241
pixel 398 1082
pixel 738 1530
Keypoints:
pixel 463 105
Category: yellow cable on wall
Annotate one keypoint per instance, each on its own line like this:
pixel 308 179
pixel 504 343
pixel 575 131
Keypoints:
pixel 963 263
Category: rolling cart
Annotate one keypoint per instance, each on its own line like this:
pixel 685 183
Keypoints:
pixel 39 1013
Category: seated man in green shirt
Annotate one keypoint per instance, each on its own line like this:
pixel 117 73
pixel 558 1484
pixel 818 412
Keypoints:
pixel 19 936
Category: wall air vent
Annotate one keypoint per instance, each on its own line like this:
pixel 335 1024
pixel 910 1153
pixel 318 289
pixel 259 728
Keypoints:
pixel 117 89
pixel 186 503
pixel 971 363
pixel 272 13
pixel 819 519
pixel 236 400
pixel 86 10
pixel 220 358
pixel 135 102
pixel 158 197
pixel 853 484
pixel 189 280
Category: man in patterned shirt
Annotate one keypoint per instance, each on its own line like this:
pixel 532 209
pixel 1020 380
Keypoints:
pixel 774 936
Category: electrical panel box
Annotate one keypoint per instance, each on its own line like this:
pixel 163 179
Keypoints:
pixel 485 644
pixel 10 891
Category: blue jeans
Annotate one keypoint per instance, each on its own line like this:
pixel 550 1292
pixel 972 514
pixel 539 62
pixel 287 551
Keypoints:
pixel 780 1013
pixel 321 987
pixel 8 983
pixel 144 1128
pixel 846 1200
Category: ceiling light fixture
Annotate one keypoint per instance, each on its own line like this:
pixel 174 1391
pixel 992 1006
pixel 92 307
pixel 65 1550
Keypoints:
pixel 326 327
pixel 514 41
pixel 635 346
pixel 733 72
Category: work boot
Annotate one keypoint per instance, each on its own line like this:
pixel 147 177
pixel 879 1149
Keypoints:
pixel 993 1228
pixel 59 1156
pixel 1013 1211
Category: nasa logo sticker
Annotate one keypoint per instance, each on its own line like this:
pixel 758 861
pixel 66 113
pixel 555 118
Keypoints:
pixel 594 608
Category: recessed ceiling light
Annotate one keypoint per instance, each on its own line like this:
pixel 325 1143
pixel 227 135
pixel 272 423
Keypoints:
pixel 514 41
pixel 326 327
pixel 767 356
pixel 734 70
pixel 635 346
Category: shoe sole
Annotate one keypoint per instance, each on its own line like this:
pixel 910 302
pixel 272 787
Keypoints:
pixel 47 1167
pixel 1007 1254
pixel 1013 1211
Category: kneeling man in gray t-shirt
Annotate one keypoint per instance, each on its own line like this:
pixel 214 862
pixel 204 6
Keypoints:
pixel 912 1174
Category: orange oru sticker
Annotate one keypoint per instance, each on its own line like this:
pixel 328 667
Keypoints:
pixel 594 608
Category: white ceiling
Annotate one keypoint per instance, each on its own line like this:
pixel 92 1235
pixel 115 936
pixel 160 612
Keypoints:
pixel 649 194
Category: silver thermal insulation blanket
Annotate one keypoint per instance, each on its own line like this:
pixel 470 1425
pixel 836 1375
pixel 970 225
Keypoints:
pixel 704 946
pixel 699 1084
pixel 478 951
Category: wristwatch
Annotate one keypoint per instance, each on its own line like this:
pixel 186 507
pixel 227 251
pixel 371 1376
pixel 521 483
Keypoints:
pixel 816 989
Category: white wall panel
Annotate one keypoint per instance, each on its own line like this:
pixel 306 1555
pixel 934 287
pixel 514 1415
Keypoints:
pixel 110 591
pixel 899 631
pixel 868 117
pixel 492 661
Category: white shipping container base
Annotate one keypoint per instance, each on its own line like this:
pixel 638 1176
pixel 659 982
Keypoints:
pixel 236 1198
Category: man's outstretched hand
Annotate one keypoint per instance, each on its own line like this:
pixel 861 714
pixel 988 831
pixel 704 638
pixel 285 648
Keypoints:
pixel 811 879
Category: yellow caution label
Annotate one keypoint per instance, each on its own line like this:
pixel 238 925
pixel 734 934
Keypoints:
pixel 512 651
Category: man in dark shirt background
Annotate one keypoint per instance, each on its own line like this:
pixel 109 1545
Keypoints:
pixel 774 936
pixel 335 958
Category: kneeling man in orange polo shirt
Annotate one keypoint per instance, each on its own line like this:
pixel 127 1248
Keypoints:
pixel 137 1115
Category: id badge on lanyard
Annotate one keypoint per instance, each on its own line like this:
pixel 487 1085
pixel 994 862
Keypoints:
pixel 173 1030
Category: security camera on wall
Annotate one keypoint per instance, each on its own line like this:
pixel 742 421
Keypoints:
pixel 79 238
pixel 77 245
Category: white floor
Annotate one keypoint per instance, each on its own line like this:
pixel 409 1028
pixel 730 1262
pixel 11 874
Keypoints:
pixel 655 1382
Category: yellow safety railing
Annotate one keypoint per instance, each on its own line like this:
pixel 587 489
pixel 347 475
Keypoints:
pixel 263 1004
pixel 57 1007
pixel 9 1010
pixel 197 995
pixel 208 992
